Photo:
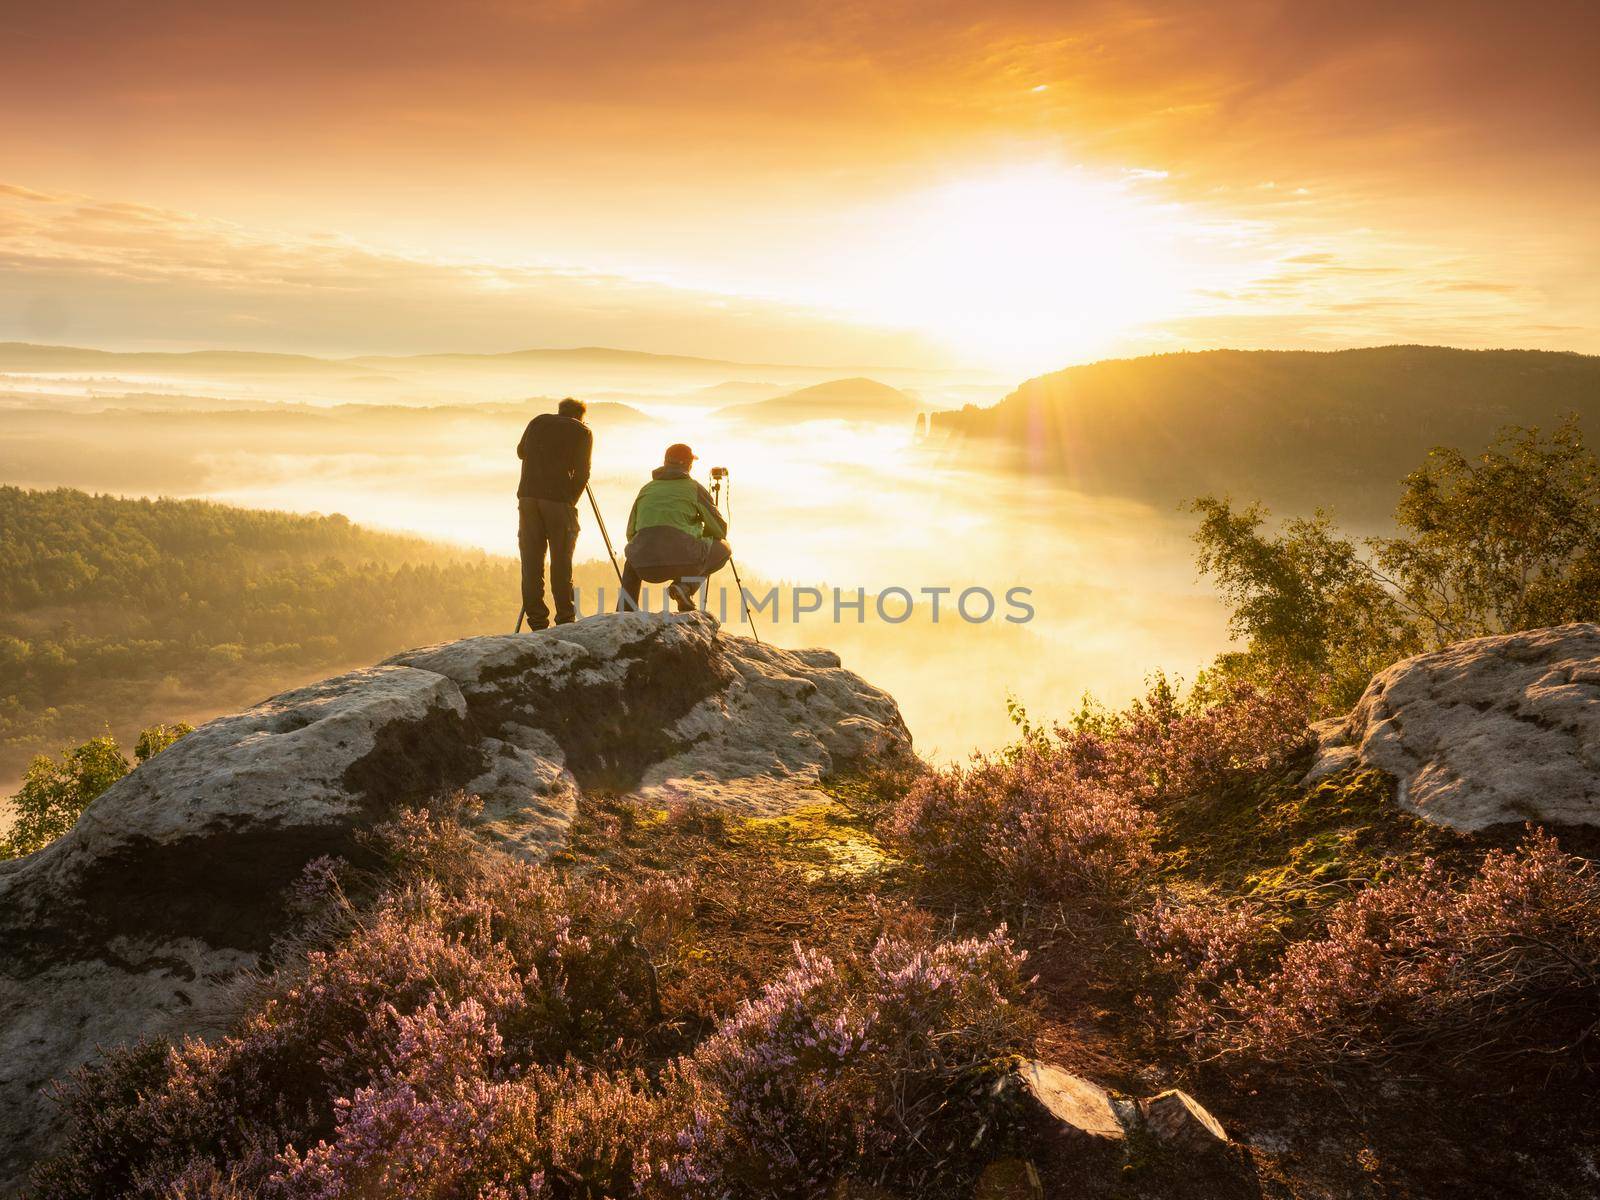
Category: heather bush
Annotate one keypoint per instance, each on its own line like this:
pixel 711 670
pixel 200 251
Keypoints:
pixel 1070 815
pixel 1197 944
pixel 473 1031
pixel 449 1116
pixel 1169 744
pixel 1501 963
pixel 556 968
pixel 851 1064
pixel 1203 940
pixel 1029 827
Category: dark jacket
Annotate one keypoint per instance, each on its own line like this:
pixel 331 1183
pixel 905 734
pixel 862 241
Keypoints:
pixel 555 454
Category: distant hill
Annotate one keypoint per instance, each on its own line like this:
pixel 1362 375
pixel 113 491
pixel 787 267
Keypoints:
pixel 27 357
pixel 840 400
pixel 736 390
pixel 1296 428
pixel 513 358
pixel 602 412
pixel 23 356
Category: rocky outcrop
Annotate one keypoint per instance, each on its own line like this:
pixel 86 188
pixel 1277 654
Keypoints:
pixel 1177 1120
pixel 1058 1106
pixel 1078 1133
pixel 1485 732
pixel 170 887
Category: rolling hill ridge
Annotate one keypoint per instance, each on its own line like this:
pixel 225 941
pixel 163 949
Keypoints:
pixel 1296 428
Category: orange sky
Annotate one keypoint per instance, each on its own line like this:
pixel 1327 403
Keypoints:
pixel 1019 185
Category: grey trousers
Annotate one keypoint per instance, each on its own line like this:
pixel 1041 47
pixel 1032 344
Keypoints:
pixel 546 525
pixel 669 556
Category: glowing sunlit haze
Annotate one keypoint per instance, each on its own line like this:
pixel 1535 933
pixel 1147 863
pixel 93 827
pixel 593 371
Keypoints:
pixel 1015 185
pixel 944 197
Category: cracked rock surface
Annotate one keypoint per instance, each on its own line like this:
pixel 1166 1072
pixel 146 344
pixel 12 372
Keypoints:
pixel 1485 732
pixel 169 890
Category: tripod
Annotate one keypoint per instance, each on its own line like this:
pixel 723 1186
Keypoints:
pixel 720 483
pixel 601 521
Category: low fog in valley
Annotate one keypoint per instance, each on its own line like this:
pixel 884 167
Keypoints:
pixel 428 446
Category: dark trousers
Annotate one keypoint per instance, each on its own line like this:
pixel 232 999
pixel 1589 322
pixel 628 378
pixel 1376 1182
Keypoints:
pixel 546 525
pixel 703 567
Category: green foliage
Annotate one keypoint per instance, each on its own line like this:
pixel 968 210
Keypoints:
pixel 1305 600
pixel 1028 733
pixel 158 737
pixel 56 791
pixel 99 593
pixel 1509 540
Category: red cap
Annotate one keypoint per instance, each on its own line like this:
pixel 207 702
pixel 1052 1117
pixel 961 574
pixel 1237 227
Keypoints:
pixel 680 454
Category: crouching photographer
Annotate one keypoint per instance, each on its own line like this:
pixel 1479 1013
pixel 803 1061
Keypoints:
pixel 675 533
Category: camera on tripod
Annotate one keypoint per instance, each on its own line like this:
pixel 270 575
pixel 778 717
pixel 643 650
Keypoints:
pixel 719 472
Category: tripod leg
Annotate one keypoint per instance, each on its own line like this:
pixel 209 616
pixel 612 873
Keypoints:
pixel 745 608
pixel 601 521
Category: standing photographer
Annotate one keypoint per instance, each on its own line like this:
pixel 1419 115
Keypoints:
pixel 674 533
pixel 555 451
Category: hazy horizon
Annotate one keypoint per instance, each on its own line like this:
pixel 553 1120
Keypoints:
pixel 857 504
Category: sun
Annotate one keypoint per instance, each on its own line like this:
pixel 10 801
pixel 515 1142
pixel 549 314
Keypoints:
pixel 1028 266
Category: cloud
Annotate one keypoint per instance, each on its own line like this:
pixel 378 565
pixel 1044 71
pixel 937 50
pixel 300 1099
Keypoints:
pixel 22 193
pixel 1477 285
pixel 131 273
pixel 1206 86
pixel 692 162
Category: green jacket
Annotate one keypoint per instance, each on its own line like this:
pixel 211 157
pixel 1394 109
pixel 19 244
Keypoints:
pixel 673 499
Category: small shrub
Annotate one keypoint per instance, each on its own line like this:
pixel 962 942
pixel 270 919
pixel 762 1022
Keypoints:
pixel 1166 745
pixel 1196 945
pixel 447 1115
pixel 699 820
pixel 1030 827
pixel 851 1064
pixel 157 738
pixel 1202 940
pixel 554 968
pixel 1504 963
pixel 56 791
pixel 1071 816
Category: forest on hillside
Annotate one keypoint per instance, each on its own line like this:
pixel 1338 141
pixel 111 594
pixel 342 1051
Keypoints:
pixel 1297 429
pixel 120 614
pixel 148 610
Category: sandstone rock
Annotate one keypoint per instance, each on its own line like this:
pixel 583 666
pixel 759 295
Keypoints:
pixel 1485 732
pixel 1335 751
pixel 1178 1120
pixel 142 919
pixel 1064 1106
